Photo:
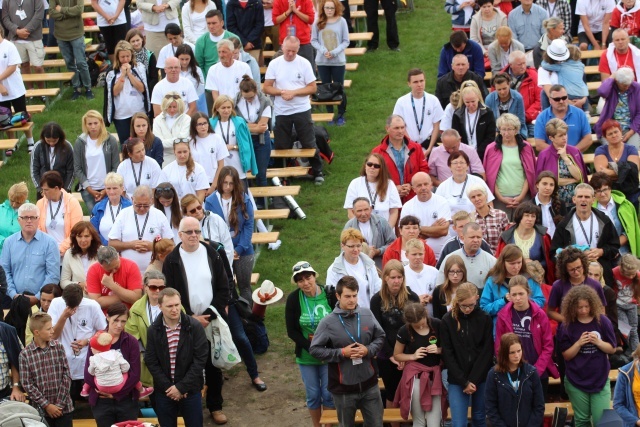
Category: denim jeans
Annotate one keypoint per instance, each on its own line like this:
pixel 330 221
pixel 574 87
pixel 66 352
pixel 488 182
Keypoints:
pixel 190 406
pixel 315 379
pixel 242 342
pixel 459 402
pixel 263 155
pixel 369 402
pixel 334 74
pixel 89 200
pixel 73 53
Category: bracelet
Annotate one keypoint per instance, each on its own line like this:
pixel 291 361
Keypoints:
pixel 343 353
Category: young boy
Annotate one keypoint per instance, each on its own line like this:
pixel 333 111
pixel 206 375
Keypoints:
pixel 44 373
pixel 420 277
pixel 173 33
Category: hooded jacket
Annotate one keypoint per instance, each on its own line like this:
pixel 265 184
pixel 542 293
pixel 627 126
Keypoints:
pixel 8 221
pixel 485 127
pixel 516 107
pixel 247 22
pixel 337 270
pixel 68 21
pixel 181 129
pixel 623 401
pixel 493 160
pixel 98 212
pixel 71 215
pixel 110 149
pixel 244 142
pixel 109 104
pixel 473 52
pixel 628 218
pixel 492 300
pixel 242 239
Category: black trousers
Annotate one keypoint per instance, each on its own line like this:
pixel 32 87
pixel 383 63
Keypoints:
pixel 305 134
pixel 110 411
pixel 214 380
pixel 390 7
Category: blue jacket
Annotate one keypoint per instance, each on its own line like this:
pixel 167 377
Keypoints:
pixel 570 75
pixel 247 22
pixel 473 51
pixel 516 108
pixel 245 143
pixel 156 152
pixel 98 213
pixel 492 299
pixel 623 401
pixel 242 240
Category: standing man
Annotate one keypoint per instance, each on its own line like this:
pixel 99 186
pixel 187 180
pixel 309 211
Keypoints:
pixel 526 23
pixel 291 80
pixel 451 141
pixel 176 353
pixel 224 77
pixel 174 82
pixel 403 157
pixel 525 80
pixel 451 82
pixel 620 53
pixel 348 339
pixel 295 18
pixel 371 9
pixel 421 112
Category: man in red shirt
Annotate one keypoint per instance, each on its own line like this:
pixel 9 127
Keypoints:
pixel 113 279
pixel 295 18
pixel 625 15
pixel 619 54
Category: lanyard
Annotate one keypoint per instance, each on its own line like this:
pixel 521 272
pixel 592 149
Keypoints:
pixel 139 172
pixel 310 312
pixel 228 210
pixel 113 217
pixel 552 11
pixel 515 384
pixel 415 114
pixel 584 232
pixel 53 216
pixel 347 331
pixel 375 194
pixel 140 233
pixel 463 187
pixel 226 140
pixel 472 130
pixel 246 104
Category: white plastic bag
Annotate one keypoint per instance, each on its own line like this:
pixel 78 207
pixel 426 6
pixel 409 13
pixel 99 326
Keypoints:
pixel 224 354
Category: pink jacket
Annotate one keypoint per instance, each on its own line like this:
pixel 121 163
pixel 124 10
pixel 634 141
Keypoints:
pixel 493 160
pixel 540 331
pixel 72 215
pixel 427 388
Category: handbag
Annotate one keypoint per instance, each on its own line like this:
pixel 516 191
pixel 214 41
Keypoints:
pixel 224 354
pixel 328 92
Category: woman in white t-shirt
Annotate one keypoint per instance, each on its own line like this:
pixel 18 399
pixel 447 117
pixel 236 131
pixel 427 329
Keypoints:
pixel 165 200
pixel 111 22
pixel 95 154
pixel 137 168
pixel 106 211
pixel 171 123
pixel 186 176
pixel 207 148
pixel 82 254
pixel 194 23
pixel 374 184
pixel 190 70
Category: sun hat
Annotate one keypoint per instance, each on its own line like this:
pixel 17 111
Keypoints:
pixel 557 50
pixel 301 267
pixel 101 341
pixel 267 293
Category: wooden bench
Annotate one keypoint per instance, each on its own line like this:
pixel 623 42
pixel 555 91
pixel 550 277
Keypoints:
pixel 264 238
pixel 390 415
pixel 42 92
pixel 87 29
pixel 290 172
pixel 36 108
pixel 350 66
pixel 322 117
pixel 24 128
pixel 294 152
pixel 361 14
pixel 48 77
pixel 593 85
pixel 54 63
pixel 54 50
pixel 8 144
pixel 549 408
pixel 613 377
pixel 350 51
pixel 591 54
pixel 267 214
pixel 288 190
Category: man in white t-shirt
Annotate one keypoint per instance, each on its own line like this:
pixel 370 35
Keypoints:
pixel 291 80
pixel 224 77
pixel 594 17
pixel 421 112
pixel 173 82
pixel 137 226
pixel 432 210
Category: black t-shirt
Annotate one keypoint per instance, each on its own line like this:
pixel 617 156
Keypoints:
pixel 433 337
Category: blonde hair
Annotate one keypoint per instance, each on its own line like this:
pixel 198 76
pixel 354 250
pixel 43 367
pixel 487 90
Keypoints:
pixel 504 31
pixel 574 52
pixel 218 103
pixel 470 87
pixel 124 45
pixel 465 291
pixel 19 189
pixel 170 97
pixel 114 178
pixel 600 269
pixel 38 321
pixel 389 302
pixel 93 114
pixel 414 244
pixel 556 126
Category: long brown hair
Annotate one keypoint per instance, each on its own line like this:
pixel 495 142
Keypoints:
pixel 382 182
pixel 194 125
pixel 161 247
pixel 445 290
pixel 168 191
pixel 191 164
pixel 127 148
pixel 79 228
pixel 389 302
pixel 498 272
pixel 322 17
pixel 506 341
pixel 465 291
pixel 148 137
pixel 414 312
pixel 237 195
pixel 556 204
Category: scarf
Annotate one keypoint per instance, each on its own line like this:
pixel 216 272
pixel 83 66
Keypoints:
pixel 635 56
pixel 142 57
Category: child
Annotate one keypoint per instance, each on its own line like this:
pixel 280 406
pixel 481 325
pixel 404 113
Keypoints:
pixel 461 12
pixel 627 287
pixel 45 375
pixel 420 277
pixel 189 69
pixel 454 99
pixel 173 33
pixel 109 367
pixel 570 72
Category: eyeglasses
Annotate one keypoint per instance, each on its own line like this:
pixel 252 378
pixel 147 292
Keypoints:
pixel 135 205
pixel 172 96
pixel 358 246
pixel 507 130
pixel 196 209
pixel 181 141
pixel 29 218
pixel 575 269
pixel 374 165
pixel 455 272
pixel 155 288
pixel 560 98
pixel 468 307
pixel 458 163
pixel 301 266
pixel 191 232
pixel 202 124
pixel 603 190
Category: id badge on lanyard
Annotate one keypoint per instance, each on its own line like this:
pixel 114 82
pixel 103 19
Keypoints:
pixel 291 29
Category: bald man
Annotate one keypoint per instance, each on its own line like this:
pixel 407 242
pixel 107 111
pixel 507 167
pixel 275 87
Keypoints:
pixel 173 82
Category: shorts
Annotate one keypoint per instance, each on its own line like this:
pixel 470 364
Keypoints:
pixel 31 52
pixel 112 35
pixel 582 38
pixel 19 104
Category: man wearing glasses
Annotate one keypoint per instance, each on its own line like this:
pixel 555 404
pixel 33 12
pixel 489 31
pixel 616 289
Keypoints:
pixel 30 258
pixel 173 82
pixel 451 141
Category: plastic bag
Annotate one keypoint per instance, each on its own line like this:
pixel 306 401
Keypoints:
pixel 224 354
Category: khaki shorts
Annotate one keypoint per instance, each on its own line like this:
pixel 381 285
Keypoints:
pixel 31 52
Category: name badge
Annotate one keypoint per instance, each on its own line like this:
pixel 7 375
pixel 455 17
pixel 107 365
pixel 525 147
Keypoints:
pixel 356 361
pixel 21 14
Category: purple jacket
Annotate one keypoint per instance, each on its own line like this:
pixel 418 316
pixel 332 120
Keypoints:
pixel 493 161
pixel 609 92
pixel 548 161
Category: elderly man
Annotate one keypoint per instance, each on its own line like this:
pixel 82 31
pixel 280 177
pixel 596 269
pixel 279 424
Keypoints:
pixel 526 23
pixel 403 157
pixel 421 112
pixel 451 141
pixel 525 80
pixel 503 99
pixel 459 44
pixel 30 258
pixel 9 374
pixel 621 94
pixel 376 230
pixel 137 226
pixel 174 82
pixel 451 81
pixel 224 77
pixel 290 79
pixel 579 129
pixel 113 279
pixel 458 221
pixel 619 54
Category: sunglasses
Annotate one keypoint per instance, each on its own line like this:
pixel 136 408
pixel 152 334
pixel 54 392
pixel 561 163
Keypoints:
pixel 155 288
pixel 164 189
pixel 181 141
pixel 374 165
pixel 301 266
pixel 196 209
pixel 560 98
pixel 190 232
pixel 172 96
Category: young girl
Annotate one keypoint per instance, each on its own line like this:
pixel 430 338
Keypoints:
pixel 164 199
pixel 143 56
pixel 189 69
pixel 137 168
pixel 141 128
pixel 236 136
pixel 548 201
pixel 418 345
pixel 159 251
pixel 186 176
pixel 207 148
pixel 514 393
pixel 570 71
pixel 455 273
pixel 627 287
pixel 421 278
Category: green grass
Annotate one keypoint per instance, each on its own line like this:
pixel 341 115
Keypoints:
pixel 379 81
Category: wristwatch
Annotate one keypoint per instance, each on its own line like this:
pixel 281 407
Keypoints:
pixel 16 384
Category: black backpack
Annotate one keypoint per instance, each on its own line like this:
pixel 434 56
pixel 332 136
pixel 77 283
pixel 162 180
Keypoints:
pixel 257 333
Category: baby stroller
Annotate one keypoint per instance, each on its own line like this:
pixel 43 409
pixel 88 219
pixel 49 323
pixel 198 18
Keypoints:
pixel 20 414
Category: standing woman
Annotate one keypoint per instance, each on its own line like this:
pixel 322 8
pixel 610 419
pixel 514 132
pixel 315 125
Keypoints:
pixel 387 305
pixel 514 391
pixel 109 409
pixel 473 120
pixel 374 183
pixel 467 351
pixel 82 254
pixel 171 124
pixel 166 200
pixel 137 168
pixel 52 152
pixel 330 38
pixel 155 17
pixel 455 273
pixel 232 204
pixel 144 56
pixel 194 23
pixel 112 23
pixel 305 307
pixel 190 70
pixel 105 212
pixel 547 199
pixel 126 91
pixel 586 338
pixel 95 154
pixel 186 176
pixel 141 128
pixel 207 148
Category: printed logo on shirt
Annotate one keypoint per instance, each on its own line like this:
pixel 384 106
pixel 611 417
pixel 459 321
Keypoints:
pixel 434 215
pixel 151 230
pixel 184 94
pixel 148 176
pixel 237 80
pixel 211 150
pixel 597 235
pixel 4 56
pixel 83 322
pixel 299 76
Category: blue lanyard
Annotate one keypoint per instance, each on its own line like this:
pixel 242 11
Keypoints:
pixel 347 331
pixel 415 114
pixel 515 384
pixel 310 312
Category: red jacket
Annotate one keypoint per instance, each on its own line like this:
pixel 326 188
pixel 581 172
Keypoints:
pixel 394 250
pixel 303 29
pixel 507 235
pixel 530 93
pixel 416 162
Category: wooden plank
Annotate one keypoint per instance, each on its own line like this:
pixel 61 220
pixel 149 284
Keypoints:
pixel 284 172
pixel 322 117
pixel 47 77
pixel 56 50
pixel 361 14
pixel 294 152
pixel 358 37
pixel 54 63
pixel 87 29
pixel 264 238
pixel 8 144
pixel 267 214
pixel 591 54
pixel 254 278
pixel 325 103
pixel 593 85
pixel 549 408
pixel 351 66
pixel 288 190
pixel 390 415
pixel 36 108
pixel 356 2
pixel 42 92
pixel 78 197
pixel 350 51
pixel 26 127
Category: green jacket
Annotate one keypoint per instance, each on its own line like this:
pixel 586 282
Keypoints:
pixel 206 53
pixel 628 219
pixel 68 22
pixel 8 222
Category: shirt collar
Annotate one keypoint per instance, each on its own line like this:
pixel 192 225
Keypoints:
pixel 467 255
pixel 609 206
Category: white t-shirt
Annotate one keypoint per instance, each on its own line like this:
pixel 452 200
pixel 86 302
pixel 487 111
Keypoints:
pixel 447 117
pixel 268 17
pixel 291 75
pixel 183 86
pixel 359 272
pixel 196 20
pixel 588 234
pixel 456 194
pixel 110 7
pixel 547 219
pixel 594 10
pixel 162 21
pixel 365 229
pixel 227 132
pixel 425 111
pixel 226 80
pixel 358 188
pixel 199 86
pixel 207 152
pixel 96 166
pixel 177 176
pixel 55 220
pixel 169 51
pixel 250 110
pixel 422 283
pixel 13 84
pixel 198 279
pixel 429 212
pixel 87 320
pixel 546 77
pixel 129 101
pixel 109 217
pixel 126 229
pixel 145 173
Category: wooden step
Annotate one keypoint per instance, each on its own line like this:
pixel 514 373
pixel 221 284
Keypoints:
pixel 87 29
pixel 361 14
pixel 351 66
pixel 54 63
pixel 350 51
pixel 289 190
pixel 290 172
pixel 264 238
pixel 24 128
pixel 322 117
pixel 254 278
pixel 48 77
pixel 267 214
pixel 294 152
pixel 56 50
pixel 36 108
pixel 43 92
pixel 8 144
pixel 358 37
pixel 590 54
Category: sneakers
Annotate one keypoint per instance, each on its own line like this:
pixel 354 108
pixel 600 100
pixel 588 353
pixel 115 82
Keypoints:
pixel 319 179
pixel 76 95
pixel 89 94
pixel 219 417
pixel 145 391
pixel 341 121
pixel 275 246
pixel 30 148
pixel 43 99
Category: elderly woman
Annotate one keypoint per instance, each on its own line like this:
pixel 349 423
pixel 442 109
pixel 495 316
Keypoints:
pixel 18 194
pixel 492 221
pixel 82 254
pixel 484 24
pixel 106 210
pixel 555 29
pixel 501 47
pixel 171 124
pixel 510 164
pixel 473 120
pixel 563 160
pixel 621 95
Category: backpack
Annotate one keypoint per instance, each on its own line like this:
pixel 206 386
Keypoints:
pixel 322 142
pixel 257 333
pixel 5 118
pixel 20 414
pixel 20 119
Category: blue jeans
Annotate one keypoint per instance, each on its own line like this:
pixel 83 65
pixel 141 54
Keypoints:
pixel 331 74
pixel 263 155
pixel 241 341
pixel 88 199
pixel 73 53
pixel 369 402
pixel 190 406
pixel 315 379
pixel 459 402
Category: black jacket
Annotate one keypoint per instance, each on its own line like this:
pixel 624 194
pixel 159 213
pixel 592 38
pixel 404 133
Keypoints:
pixel 391 321
pixel 446 85
pixel 63 163
pixel 247 22
pixel 485 127
pixel 191 356
pixel 439 303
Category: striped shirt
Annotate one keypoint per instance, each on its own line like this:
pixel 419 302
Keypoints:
pixel 173 337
